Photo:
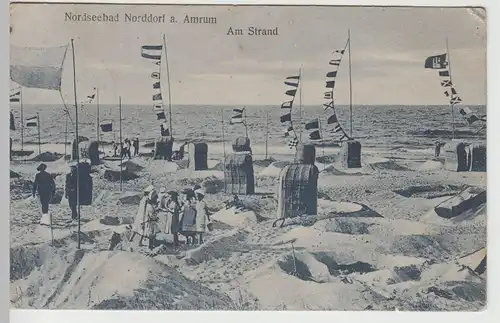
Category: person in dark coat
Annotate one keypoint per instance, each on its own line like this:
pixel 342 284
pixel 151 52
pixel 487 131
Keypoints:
pixel 136 146
pixel 45 186
pixel 71 191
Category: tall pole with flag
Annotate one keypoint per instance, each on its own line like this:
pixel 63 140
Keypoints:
pixel 121 144
pixel 350 83
pixel 300 105
pixel 22 116
pixel 77 143
pixel 38 129
pixel 168 85
pixel 267 130
pixel 98 122
pixel 451 103
pixel 223 143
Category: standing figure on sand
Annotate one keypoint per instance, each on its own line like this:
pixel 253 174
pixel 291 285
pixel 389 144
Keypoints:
pixel 71 191
pixel 145 224
pixel 45 186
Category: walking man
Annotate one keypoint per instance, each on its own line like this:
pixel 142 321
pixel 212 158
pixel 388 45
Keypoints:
pixel 46 187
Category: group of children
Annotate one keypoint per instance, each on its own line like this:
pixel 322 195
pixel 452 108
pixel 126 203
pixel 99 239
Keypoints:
pixel 163 212
pixel 125 148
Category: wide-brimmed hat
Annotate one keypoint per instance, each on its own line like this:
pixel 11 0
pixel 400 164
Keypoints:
pixel 187 191
pixel 196 187
pixel 149 189
pixel 200 191
pixel 162 190
pixel 41 167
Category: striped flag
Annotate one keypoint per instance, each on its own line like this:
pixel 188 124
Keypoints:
pixel 32 122
pixel 106 126
pixel 293 143
pixel 15 96
pixel 238 118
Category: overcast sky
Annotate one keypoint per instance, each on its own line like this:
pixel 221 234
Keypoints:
pixel 389 46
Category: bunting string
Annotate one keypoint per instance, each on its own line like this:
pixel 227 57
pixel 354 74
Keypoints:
pixel 287 106
pixel 153 53
pixel 333 125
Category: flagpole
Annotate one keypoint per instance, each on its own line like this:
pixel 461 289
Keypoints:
pixel 223 144
pixel 22 117
pixel 168 83
pixel 451 101
pixel 121 154
pixel 77 144
pixel 300 104
pixel 38 128
pixel 245 121
pixel 350 83
pixel 322 143
pixel 97 125
pixel 267 130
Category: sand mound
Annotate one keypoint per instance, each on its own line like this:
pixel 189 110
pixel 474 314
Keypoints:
pixel 328 159
pixel 429 191
pixel 115 175
pixel 132 198
pixel 475 261
pixel 47 157
pixel 264 162
pixel 387 165
pixel 14 174
pixel 345 209
pixel 222 247
pixel 83 279
pixel 431 165
pixel 345 225
pixel 20 188
pixel 132 167
pixel 304 266
pixel 234 218
pixel 22 153
pixel 274 169
pixel 212 185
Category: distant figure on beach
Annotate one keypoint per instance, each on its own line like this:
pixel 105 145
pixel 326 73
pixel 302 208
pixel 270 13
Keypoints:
pixel 236 203
pixel 179 154
pixel 11 148
pixel 136 146
pixel 115 148
pixel 437 149
pixel 128 148
pixel 45 186
pixel 71 191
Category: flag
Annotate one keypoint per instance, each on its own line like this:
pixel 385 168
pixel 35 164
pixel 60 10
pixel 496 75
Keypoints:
pixel 315 135
pixel 444 73
pixel 332 119
pixel 293 77
pixel 328 105
pixel 160 116
pixel 91 97
pixel 455 100
pixel 447 93
pixel 288 130
pixel 32 122
pixel 286 105
pixel 436 62
pixel 238 118
pixel 16 96
pixel 157 97
pixel 291 92
pixel 238 110
pixel 292 84
pixel 286 117
pixel 335 62
pixel 328 95
pixel 107 127
pixel 39 68
pixel 151 52
pixel 314 124
pixel 446 83
pixel 339 51
pixel 473 118
pixel 331 74
pixel 157 107
pixel 336 128
pixel 293 143
pixel 330 84
pixel 12 124
pixel 453 91
pixel 165 131
pixel 156 85
pixel 155 75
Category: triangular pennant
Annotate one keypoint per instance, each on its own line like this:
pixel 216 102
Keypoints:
pixel 292 84
pixel 286 105
pixel 156 85
pixel 332 119
pixel 330 84
pixel 331 74
pixel 291 92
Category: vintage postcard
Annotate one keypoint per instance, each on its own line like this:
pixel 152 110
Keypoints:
pixel 195 157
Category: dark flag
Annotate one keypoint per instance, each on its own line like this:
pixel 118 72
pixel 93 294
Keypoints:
pixel 91 97
pixel 238 110
pixel 293 77
pixel 286 117
pixel 155 75
pixel 12 124
pixel 330 84
pixel 160 116
pixel 444 73
pixel 473 118
pixel 286 105
pixel 332 119
pixel 152 47
pixel 292 84
pixel 291 92
pixel 314 124
pixel 339 51
pixel 157 107
pixel 14 100
pixel 453 91
pixel 16 96
pixel 331 74
pixel 293 143
pixel 157 97
pixel 315 135
pixel 156 85
pixel 446 83
pixel 462 112
pixel 455 100
pixel 447 93
pixel 107 127
pixel 328 105
pixel 436 62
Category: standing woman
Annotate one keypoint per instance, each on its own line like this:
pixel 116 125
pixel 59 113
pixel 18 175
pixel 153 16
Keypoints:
pixel 201 215
pixel 151 227
pixel 188 220
pixel 46 187
pixel 140 217
pixel 173 212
